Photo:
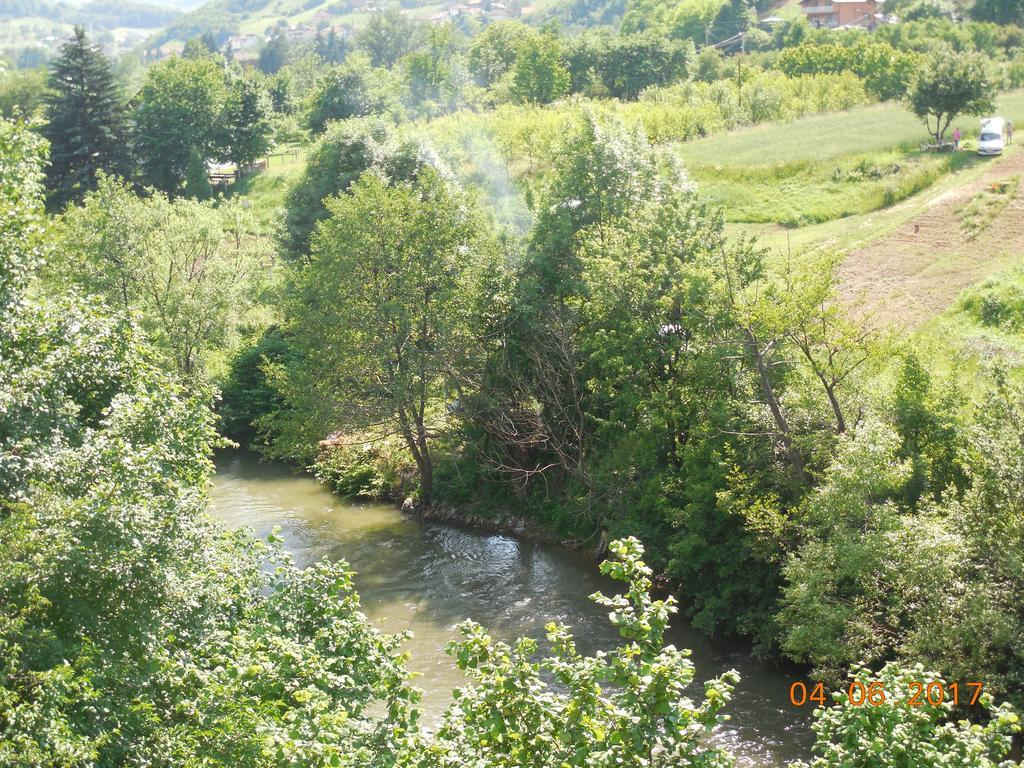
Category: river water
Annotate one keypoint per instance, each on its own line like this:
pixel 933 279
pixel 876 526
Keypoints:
pixel 426 577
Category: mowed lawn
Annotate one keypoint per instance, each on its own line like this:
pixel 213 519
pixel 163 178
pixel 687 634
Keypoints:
pixel 826 167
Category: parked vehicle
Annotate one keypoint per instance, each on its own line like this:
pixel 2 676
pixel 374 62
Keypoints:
pixel 991 141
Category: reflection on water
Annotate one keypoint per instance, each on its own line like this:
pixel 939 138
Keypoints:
pixel 425 577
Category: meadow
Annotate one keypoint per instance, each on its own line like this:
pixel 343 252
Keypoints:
pixel 826 167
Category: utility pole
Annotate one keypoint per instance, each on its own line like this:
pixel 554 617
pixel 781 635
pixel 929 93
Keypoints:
pixel 739 82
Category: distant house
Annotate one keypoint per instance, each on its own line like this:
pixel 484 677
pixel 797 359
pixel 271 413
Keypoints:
pixel 244 42
pixel 830 14
pixel 300 34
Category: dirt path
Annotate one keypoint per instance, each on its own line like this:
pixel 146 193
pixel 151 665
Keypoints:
pixel 917 270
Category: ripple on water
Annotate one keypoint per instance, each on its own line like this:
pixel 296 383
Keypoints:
pixel 427 577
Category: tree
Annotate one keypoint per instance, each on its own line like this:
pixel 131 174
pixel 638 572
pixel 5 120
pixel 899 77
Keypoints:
pixel 388 36
pixel 632 63
pixel 135 602
pixel 273 55
pixel 86 124
pixel 245 125
pixel 342 154
pixel 493 52
pixel 379 312
pixel 199 47
pixel 539 76
pixel 434 75
pixel 951 84
pixel 353 89
pixel 22 91
pixel 178 111
pixel 185 267
pixel 999 11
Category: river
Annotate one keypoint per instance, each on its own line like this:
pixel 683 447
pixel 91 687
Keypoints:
pixel 426 577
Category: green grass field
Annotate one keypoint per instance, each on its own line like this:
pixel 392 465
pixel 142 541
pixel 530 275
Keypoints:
pixel 826 167
pixel 265 192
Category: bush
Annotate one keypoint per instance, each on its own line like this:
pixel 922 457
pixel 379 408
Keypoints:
pixel 896 734
pixel 375 470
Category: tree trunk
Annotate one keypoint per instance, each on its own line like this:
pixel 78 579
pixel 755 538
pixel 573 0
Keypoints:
pixel 795 459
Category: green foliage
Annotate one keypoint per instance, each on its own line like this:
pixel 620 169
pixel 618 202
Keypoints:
pixel 245 123
pixel 627 706
pixel 246 394
pixel 896 734
pixel 996 303
pixel 948 85
pixel 887 72
pixel 494 51
pixel 539 76
pixel 382 296
pixel 184 266
pixel 352 89
pixel 85 122
pixel 435 75
pixel 341 156
pixel 191 107
pixel 177 111
pixel 388 36
pixel 22 91
pixel 999 11
pixel 376 469
pixel 134 631
pixel 21 159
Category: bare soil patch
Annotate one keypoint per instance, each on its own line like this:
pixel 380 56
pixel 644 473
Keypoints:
pixel 917 270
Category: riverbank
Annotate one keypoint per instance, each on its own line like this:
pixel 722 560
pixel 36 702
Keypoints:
pixel 423 575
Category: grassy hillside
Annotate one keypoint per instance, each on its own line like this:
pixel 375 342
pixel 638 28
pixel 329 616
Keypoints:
pixel 826 167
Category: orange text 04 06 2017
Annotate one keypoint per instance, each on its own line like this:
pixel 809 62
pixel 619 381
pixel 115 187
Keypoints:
pixel 873 694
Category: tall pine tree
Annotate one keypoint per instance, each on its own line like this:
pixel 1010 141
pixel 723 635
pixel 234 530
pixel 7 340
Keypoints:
pixel 86 121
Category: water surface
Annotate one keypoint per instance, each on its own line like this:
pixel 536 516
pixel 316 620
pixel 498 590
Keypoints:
pixel 426 577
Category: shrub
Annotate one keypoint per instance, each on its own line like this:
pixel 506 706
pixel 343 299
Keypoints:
pixel 896 734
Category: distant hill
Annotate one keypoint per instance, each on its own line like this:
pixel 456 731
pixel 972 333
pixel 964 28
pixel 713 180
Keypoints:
pixel 96 14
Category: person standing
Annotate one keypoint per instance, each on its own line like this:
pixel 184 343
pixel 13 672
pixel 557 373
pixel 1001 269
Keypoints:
pixel 956 139
pixel 1009 131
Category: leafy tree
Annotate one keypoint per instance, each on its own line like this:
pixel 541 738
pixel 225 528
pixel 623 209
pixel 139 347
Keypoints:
pixel 21 91
pixel 134 630
pixel 199 47
pixel 434 74
pixel 197 180
pixel 389 36
pixel 273 55
pixel 494 51
pixel 539 76
pixel 178 111
pixel 928 424
pixel 999 11
pixel 951 84
pixel 21 160
pixel 343 153
pixel 246 393
pixel 710 65
pixel 353 89
pixel 245 124
pixel 85 121
pixel 628 706
pixel 184 266
pixel 887 72
pixel 382 299
pixel 632 63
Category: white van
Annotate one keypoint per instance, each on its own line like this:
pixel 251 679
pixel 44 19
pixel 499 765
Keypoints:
pixel 990 140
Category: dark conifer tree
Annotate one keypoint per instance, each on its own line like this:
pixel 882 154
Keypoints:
pixel 86 121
